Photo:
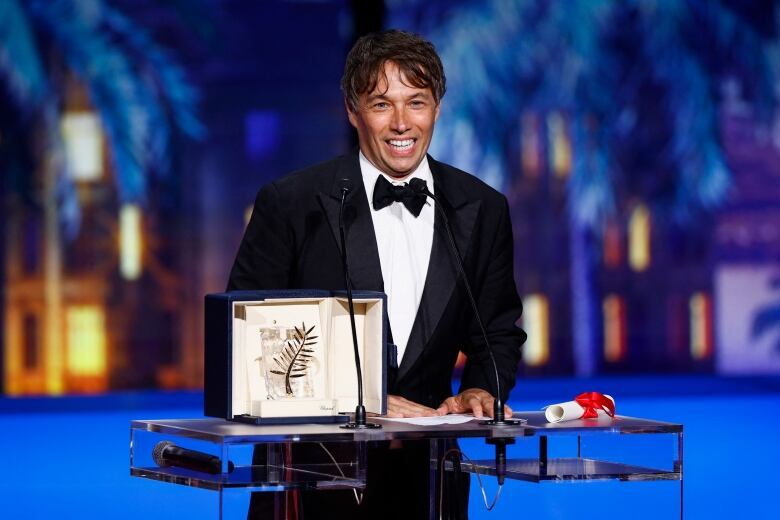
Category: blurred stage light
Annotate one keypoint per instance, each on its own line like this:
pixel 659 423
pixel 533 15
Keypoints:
pixel 613 246
pixel 615 329
pixel 83 138
pixel 536 323
pixel 130 241
pixel 560 145
pixel 639 238
pixel 701 325
pixel 86 336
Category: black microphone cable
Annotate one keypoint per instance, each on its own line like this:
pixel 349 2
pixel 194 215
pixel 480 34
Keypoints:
pixel 475 469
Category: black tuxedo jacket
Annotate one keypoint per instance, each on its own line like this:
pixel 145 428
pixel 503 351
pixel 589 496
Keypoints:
pixel 292 241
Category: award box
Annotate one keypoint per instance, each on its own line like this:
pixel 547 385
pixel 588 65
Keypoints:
pixel 280 357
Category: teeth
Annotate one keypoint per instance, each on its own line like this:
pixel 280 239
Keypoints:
pixel 401 144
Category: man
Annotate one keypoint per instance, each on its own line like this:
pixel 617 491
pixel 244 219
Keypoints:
pixel 393 85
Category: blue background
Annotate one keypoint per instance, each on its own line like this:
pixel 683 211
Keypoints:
pixel 666 105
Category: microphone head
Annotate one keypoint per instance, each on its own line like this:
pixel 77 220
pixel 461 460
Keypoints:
pixel 419 186
pixel 345 185
pixel 158 453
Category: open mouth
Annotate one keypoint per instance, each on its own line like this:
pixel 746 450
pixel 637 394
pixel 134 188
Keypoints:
pixel 401 145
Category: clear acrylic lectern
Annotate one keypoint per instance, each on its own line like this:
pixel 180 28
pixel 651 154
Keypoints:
pixel 620 449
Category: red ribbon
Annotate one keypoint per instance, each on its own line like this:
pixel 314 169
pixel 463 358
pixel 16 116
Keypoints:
pixel 592 402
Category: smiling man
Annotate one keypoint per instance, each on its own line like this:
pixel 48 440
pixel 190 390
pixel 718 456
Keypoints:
pixel 394 119
pixel 393 87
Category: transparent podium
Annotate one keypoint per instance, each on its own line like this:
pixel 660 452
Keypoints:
pixel 619 449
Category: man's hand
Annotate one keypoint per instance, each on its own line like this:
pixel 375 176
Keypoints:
pixel 474 400
pixel 397 406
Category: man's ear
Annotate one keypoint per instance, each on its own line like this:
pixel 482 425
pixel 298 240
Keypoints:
pixel 350 114
pixel 436 113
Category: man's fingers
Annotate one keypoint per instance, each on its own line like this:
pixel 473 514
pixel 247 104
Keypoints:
pixel 490 406
pixel 417 409
pixel 474 400
pixel 399 407
pixel 405 411
pixel 476 406
pixel 450 405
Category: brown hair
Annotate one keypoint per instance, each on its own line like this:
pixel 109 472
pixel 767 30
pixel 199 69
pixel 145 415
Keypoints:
pixel 416 58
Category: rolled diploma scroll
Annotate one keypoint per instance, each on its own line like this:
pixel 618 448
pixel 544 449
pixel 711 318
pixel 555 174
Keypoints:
pixel 568 411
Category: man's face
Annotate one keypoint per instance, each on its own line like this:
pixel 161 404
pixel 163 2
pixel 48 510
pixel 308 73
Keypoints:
pixel 395 123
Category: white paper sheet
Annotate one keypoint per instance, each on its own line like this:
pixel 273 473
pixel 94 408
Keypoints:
pixel 434 420
pixel 568 411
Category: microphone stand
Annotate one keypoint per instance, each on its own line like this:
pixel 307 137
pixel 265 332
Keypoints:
pixel 359 422
pixel 500 444
pixel 499 416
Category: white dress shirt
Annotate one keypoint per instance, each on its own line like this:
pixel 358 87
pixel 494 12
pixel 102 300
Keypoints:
pixel 404 242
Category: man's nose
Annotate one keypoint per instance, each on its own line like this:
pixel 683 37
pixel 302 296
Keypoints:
pixel 398 122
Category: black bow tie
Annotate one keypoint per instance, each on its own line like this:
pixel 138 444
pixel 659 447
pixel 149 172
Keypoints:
pixel 412 194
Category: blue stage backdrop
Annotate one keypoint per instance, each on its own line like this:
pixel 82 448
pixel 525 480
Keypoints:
pixel 637 143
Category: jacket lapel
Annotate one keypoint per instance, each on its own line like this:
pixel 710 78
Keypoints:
pixel 362 253
pixel 440 280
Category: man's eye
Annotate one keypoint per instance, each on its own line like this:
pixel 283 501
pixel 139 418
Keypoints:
pixel 381 105
pixel 417 104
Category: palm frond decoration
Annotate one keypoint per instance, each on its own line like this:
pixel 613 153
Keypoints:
pixel 20 60
pixel 137 87
pixel 601 62
pixel 162 76
pixel 293 361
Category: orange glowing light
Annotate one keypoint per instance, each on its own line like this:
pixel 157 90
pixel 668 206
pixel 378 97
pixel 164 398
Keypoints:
pixel 536 322
pixel 615 329
pixel 700 307
pixel 560 145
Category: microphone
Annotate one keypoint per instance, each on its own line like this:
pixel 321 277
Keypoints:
pixel 345 186
pixel 167 454
pixel 499 417
pixel 359 421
